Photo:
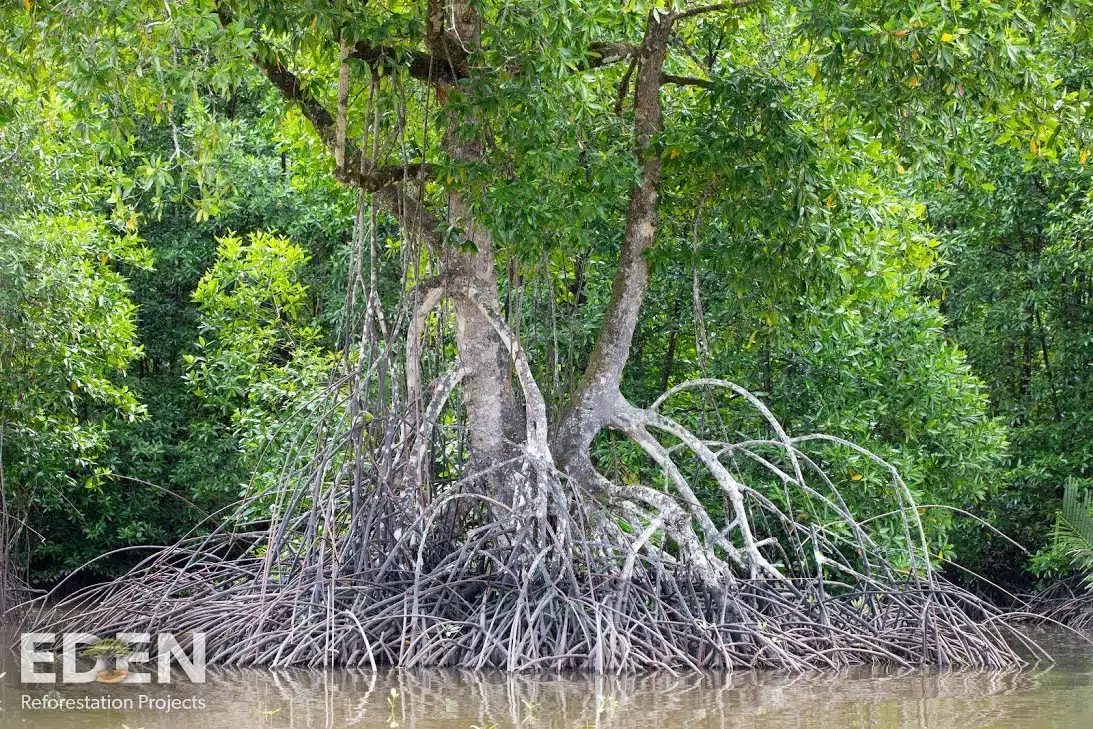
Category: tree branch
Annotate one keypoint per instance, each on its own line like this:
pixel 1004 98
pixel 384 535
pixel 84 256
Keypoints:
pixel 416 221
pixel 429 67
pixel 605 53
pixel 686 81
pixel 598 398
pixel 293 91
pixel 380 177
pixel 326 126
pixel 413 217
pixel 419 64
pixel 703 9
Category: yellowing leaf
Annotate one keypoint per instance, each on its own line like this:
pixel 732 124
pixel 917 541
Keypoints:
pixel 102 258
pixel 73 386
pixel 946 37
pixel 673 154
pixel 28 4
pixel 913 82
pixel 1034 147
pixel 830 201
pixel 1083 157
pixel 855 476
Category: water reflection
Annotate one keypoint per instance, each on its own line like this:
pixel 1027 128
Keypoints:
pixel 866 698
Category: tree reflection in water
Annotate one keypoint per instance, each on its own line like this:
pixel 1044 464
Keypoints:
pixel 1055 697
pixel 873 698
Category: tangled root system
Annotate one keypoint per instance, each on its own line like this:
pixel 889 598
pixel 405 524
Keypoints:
pixel 359 564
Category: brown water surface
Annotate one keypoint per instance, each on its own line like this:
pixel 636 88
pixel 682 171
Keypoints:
pixel 1060 697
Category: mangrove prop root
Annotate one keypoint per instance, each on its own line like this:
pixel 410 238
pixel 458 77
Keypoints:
pixel 355 568
pixel 362 553
pixel 1068 602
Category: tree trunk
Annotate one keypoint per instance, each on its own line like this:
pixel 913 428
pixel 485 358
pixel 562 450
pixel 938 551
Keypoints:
pixel 673 339
pixel 493 418
pixel 598 401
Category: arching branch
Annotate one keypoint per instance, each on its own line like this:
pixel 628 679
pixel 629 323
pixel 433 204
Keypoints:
pixel 443 390
pixel 414 333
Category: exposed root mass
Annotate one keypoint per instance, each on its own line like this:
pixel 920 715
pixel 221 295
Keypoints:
pixel 713 553
pixel 366 573
pixel 1069 602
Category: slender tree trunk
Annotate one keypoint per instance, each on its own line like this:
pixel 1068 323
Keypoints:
pixel 1025 376
pixel 493 418
pixel 673 338
pixel 578 292
pixel 598 401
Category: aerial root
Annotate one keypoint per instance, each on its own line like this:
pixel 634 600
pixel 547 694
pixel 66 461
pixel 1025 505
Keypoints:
pixel 13 591
pixel 361 574
pixel 1067 602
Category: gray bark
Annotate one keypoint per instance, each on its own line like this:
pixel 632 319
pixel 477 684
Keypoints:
pixel 493 417
pixel 492 413
pixel 598 402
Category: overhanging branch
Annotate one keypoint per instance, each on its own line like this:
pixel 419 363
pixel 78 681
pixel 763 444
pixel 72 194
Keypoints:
pixel 414 218
pixel 715 8
pixel 420 65
pixel 605 53
pixel 428 67
pixel 686 81
pixel 380 177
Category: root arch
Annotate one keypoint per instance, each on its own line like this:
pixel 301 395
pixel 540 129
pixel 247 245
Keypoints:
pixel 560 576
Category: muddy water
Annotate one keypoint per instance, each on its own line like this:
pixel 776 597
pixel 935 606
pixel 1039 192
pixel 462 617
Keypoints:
pixel 1057 698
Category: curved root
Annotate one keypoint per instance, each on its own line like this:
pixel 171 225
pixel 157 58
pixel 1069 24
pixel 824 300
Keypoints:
pixel 1068 602
pixel 352 572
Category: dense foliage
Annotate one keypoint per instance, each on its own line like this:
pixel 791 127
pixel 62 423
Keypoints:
pixel 1017 296
pixel 875 215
